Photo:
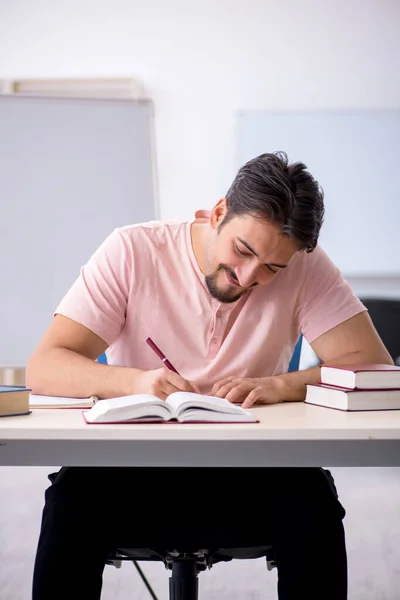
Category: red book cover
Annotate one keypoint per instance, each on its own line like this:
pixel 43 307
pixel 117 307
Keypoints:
pixel 169 422
pixel 363 367
pixel 346 389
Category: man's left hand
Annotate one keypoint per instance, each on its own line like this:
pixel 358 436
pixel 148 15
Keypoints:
pixel 247 391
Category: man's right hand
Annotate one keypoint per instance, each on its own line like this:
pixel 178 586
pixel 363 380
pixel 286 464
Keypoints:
pixel 160 382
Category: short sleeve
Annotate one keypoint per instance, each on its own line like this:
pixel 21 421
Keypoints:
pixel 326 299
pixel 98 298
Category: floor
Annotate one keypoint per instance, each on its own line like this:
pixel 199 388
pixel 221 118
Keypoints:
pixel 371 497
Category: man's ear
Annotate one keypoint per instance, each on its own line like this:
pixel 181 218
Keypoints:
pixel 218 213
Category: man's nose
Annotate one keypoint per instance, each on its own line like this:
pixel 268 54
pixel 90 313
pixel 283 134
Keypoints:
pixel 247 274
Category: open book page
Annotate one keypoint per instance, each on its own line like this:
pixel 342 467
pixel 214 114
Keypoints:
pixel 180 406
pixel 126 408
pixel 197 407
pixel 39 401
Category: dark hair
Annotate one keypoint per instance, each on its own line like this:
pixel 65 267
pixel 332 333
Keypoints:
pixel 286 195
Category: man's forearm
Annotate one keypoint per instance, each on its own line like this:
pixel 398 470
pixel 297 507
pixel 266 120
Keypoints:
pixel 61 372
pixel 292 386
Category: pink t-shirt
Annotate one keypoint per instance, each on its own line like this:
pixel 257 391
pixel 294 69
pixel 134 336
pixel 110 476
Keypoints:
pixel 144 281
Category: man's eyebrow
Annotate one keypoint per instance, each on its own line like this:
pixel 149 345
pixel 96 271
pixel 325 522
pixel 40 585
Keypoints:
pixel 255 254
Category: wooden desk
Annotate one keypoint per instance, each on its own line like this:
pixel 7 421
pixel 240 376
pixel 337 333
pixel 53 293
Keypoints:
pixel 291 434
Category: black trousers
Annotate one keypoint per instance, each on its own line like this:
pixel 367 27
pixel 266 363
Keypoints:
pixel 89 511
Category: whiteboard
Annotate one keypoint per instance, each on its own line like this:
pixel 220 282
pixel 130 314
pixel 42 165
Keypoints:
pixel 71 170
pixel 355 157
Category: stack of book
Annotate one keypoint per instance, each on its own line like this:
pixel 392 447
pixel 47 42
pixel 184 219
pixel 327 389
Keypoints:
pixel 357 387
pixel 14 400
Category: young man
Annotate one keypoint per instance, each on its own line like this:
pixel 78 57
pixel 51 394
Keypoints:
pixel 226 298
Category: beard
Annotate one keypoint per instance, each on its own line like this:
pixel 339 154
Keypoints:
pixel 228 294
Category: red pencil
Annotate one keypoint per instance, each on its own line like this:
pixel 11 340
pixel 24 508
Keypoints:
pixel 157 350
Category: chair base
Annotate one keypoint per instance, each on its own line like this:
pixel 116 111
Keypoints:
pixel 185 566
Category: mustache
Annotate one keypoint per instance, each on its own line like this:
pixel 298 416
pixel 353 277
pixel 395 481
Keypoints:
pixel 232 273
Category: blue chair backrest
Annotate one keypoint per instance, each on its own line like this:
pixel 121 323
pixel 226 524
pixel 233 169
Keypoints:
pixel 295 360
pixel 293 365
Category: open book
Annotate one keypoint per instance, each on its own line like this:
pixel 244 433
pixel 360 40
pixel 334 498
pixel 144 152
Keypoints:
pixel 180 406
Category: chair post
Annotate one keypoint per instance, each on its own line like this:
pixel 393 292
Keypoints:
pixel 183 583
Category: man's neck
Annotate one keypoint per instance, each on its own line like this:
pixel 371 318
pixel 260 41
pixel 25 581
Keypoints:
pixel 199 233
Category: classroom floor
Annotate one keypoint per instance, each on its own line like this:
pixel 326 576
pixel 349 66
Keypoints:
pixel 370 496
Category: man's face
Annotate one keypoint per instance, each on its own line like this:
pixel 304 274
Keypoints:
pixel 243 254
